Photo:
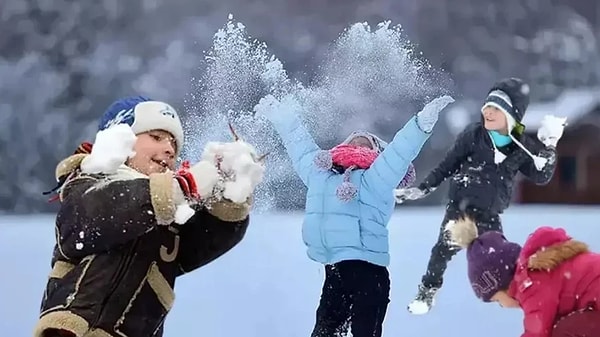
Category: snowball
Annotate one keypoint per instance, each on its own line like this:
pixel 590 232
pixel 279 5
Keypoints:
pixel 183 213
pixel 111 149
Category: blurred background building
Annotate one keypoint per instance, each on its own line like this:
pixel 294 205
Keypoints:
pixel 62 62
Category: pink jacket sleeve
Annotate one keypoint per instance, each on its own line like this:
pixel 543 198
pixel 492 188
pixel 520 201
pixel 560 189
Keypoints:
pixel 539 301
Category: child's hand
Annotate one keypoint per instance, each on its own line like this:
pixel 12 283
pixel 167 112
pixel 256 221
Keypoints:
pixel 551 130
pixel 427 117
pixel 231 170
pixel 111 149
pixel 242 168
pixel 277 109
pixel 412 193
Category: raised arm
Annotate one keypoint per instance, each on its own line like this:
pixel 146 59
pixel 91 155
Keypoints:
pixel 450 165
pixel 98 214
pixel 299 144
pixel 390 167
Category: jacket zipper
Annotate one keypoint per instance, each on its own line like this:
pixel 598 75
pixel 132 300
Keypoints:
pixel 118 276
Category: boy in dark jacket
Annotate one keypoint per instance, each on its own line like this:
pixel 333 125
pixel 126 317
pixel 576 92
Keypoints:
pixel 123 237
pixel 483 162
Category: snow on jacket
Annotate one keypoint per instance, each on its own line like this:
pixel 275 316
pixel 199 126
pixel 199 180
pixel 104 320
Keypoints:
pixel 334 230
pixel 114 265
pixel 479 182
pixel 555 276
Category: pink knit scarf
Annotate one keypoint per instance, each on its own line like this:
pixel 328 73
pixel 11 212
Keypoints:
pixel 346 156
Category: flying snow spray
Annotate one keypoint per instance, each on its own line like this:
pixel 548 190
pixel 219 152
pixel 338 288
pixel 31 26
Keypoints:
pixel 370 79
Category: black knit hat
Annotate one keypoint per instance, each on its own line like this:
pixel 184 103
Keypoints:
pixel 518 92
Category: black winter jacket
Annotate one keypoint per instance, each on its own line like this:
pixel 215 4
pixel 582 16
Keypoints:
pixel 477 182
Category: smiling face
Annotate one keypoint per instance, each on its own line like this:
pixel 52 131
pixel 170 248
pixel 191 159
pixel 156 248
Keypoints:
pixel 154 152
pixel 495 119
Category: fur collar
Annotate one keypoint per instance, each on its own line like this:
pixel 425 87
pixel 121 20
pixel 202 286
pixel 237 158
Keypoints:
pixel 550 257
pixel 68 165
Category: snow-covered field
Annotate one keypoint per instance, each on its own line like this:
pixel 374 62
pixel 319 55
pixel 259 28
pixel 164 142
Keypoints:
pixel 267 287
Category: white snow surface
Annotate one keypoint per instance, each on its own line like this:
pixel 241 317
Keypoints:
pixel 267 287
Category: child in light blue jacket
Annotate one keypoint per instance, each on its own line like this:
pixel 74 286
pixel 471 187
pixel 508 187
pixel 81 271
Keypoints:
pixel 349 203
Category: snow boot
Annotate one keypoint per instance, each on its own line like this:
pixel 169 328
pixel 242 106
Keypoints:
pixel 424 300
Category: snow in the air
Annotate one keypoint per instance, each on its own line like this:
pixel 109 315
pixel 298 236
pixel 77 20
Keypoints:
pixel 266 286
pixel 370 75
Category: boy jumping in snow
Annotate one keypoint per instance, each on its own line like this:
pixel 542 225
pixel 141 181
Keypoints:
pixel 483 162
pixel 553 278
pixel 349 203
pixel 128 225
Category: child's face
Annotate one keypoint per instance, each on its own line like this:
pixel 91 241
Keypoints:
pixel 154 152
pixel 505 300
pixel 360 141
pixel 494 119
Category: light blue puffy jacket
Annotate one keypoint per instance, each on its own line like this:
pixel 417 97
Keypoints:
pixel 334 230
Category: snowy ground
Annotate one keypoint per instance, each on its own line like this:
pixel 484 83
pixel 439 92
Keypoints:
pixel 266 287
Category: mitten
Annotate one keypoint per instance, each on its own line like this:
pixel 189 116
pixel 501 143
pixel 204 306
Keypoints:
pixel 412 193
pixel 551 130
pixel 427 117
pixel 229 170
pixel 111 149
pixel 248 169
pixel 207 177
pixel 278 110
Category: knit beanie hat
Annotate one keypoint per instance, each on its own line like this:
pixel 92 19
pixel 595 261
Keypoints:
pixel 511 96
pixel 491 258
pixel 143 115
pixel 377 143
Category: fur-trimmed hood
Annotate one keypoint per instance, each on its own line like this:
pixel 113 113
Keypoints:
pixel 555 277
pixel 548 247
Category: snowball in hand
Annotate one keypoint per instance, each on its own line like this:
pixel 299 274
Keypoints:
pixel 206 176
pixel 111 149
pixel 239 168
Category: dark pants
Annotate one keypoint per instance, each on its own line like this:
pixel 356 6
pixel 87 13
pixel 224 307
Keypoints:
pixel 585 323
pixel 355 296
pixel 442 252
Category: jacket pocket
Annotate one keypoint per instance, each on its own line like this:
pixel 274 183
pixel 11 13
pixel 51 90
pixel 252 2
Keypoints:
pixel 64 284
pixel 148 306
pixel 58 272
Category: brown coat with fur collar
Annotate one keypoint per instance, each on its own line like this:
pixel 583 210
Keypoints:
pixel 118 253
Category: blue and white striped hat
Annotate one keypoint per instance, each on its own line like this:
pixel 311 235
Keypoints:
pixel 500 100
